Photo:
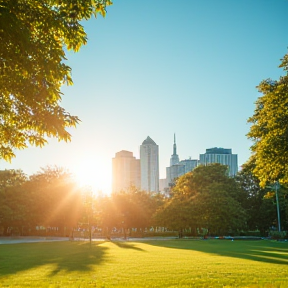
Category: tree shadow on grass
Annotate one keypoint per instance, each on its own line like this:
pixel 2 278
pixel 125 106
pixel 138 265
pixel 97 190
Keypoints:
pixel 262 251
pixel 64 256
pixel 126 245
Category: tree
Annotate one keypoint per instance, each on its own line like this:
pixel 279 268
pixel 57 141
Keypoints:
pixel 13 212
pixel 269 130
pixel 219 211
pixel 128 209
pixel 34 36
pixel 56 201
pixel 205 198
pixel 260 209
pixel 88 216
pixel 108 215
pixel 176 214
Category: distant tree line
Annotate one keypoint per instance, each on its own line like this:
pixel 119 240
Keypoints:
pixel 47 199
pixel 204 201
pixel 207 198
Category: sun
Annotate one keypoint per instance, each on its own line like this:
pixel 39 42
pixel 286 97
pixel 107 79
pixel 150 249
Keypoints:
pixel 93 173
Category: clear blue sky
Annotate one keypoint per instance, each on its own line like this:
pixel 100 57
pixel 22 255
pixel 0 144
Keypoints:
pixel 162 67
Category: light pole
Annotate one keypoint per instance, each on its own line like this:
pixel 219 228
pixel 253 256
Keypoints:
pixel 276 185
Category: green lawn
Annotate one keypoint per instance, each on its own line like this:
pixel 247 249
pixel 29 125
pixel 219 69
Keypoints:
pixel 173 263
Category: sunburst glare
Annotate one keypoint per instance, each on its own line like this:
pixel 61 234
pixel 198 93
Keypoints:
pixel 93 172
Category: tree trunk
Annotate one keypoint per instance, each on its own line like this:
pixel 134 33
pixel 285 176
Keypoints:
pixel 180 233
pixel 6 231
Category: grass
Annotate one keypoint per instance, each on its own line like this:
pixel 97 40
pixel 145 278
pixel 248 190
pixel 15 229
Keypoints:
pixel 173 263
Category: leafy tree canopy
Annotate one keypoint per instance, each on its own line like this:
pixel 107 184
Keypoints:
pixel 218 211
pixel 205 198
pixel 269 130
pixel 34 35
pixel 198 180
pixel 11 177
pixel 55 199
pixel 12 210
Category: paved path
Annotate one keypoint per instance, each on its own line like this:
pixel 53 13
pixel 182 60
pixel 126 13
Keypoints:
pixel 27 239
pixel 23 239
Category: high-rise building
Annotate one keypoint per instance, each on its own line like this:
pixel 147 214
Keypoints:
pixel 190 164
pixel 222 156
pixel 126 171
pixel 163 186
pixel 174 157
pixel 173 172
pixel 178 168
pixel 149 162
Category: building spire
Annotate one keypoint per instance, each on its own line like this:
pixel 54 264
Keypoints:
pixel 174 146
pixel 174 157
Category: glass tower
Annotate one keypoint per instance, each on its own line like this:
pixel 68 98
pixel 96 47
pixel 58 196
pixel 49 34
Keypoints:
pixel 149 162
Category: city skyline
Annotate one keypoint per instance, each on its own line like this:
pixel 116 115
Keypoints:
pixel 148 69
pixel 143 173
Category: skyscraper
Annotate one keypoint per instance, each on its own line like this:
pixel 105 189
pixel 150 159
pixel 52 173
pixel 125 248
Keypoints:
pixel 178 168
pixel 126 171
pixel 149 162
pixel 174 157
pixel 222 156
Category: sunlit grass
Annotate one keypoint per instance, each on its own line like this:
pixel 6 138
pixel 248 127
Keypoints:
pixel 177 263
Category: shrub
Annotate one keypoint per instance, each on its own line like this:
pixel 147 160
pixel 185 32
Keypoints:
pixel 278 235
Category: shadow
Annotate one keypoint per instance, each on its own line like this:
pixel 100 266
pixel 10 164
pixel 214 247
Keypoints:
pixel 127 245
pixel 262 250
pixel 64 256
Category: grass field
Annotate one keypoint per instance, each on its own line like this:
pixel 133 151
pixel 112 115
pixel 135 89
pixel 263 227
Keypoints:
pixel 173 263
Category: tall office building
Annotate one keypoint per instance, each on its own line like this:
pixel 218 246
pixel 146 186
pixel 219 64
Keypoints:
pixel 173 172
pixel 222 156
pixel 190 164
pixel 149 162
pixel 126 171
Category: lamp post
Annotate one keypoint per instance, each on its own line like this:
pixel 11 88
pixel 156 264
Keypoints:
pixel 276 185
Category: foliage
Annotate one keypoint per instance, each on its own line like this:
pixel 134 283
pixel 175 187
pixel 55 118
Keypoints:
pixel 9 178
pixel 218 211
pixel 204 198
pixel 12 205
pixel 128 209
pixel 49 198
pixel 198 180
pixel 260 203
pixel 34 36
pixel 269 130
pixel 55 199
pixel 278 235
pixel 175 214
pixel 261 211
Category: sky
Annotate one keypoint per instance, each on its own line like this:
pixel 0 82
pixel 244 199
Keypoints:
pixel 155 68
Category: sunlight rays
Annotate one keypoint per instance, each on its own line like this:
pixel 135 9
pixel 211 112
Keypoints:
pixel 93 172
